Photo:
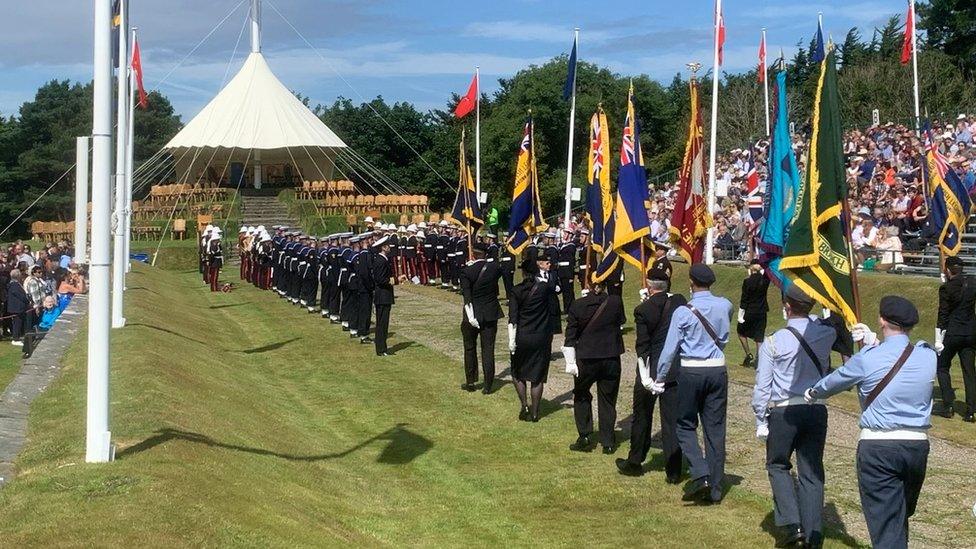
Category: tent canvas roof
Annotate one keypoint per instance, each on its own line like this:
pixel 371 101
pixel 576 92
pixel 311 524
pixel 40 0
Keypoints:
pixel 255 111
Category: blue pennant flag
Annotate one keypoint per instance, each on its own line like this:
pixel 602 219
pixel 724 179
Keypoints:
pixel 818 49
pixel 569 88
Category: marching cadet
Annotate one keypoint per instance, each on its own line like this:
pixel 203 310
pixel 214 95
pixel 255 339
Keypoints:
pixel 457 254
pixel 955 334
pixel 431 238
pixel 309 274
pixel 423 265
pixel 410 255
pixel 294 263
pixel 278 246
pixel 661 261
pixel 347 307
pixel 202 251
pixel 265 253
pixel 753 306
pixel 566 268
pixel 382 281
pixel 894 384
pixel 362 286
pixel 592 351
pixel 398 246
pixel 215 259
pixel 325 264
pixel 479 320
pixel 699 332
pixel 441 245
pixel 506 261
pixel 242 248
pixel 253 252
pixel 791 361
pixel 585 246
pixel 530 331
pixel 652 319
pixel 491 247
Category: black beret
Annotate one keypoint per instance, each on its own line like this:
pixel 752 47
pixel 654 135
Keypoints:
pixel 899 311
pixel 796 294
pixel 953 261
pixel 658 274
pixel 702 274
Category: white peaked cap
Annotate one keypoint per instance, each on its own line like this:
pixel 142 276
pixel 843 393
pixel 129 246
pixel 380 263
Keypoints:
pixel 422 225
pixel 261 229
pixel 420 234
pixel 243 229
pixel 368 219
pixel 412 228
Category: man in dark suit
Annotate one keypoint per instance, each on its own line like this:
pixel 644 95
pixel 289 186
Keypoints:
pixel 651 320
pixel 382 274
pixel 20 306
pixel 955 334
pixel 479 321
pixel 661 261
pixel 507 261
pixel 592 351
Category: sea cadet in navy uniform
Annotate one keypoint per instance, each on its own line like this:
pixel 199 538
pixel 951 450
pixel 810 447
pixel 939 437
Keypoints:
pixel 661 261
pixel 652 318
pixel 894 383
pixel 791 361
pixel 592 351
pixel 479 319
pixel 955 334
pixel 506 260
pixel 699 332
pixel 566 268
pixel 382 274
pixel 347 307
pixel 362 286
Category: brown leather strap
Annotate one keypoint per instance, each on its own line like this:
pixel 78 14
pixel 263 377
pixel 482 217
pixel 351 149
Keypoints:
pixel 706 325
pixel 888 377
pixel 806 348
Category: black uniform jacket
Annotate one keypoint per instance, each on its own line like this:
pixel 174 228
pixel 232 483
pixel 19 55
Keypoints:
pixel 528 307
pixel 652 319
pixel 754 289
pixel 596 336
pixel 957 299
pixel 479 286
pixel 382 272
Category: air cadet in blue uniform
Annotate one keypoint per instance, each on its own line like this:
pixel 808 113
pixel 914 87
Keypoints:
pixel 699 332
pixel 791 361
pixel 894 383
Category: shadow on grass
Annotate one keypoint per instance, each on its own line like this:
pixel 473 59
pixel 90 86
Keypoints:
pixel 270 347
pixel 262 349
pixel 143 289
pixel 833 525
pixel 402 346
pixel 403 446
pixel 229 305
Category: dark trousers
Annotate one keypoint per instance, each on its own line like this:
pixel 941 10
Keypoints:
pixel 346 306
pixel 605 373
pixel 295 285
pixel 617 290
pixel 801 429
pixel 890 474
pixel 569 292
pixel 965 347
pixel 310 288
pixel 213 274
pixel 470 337
pixel 382 327
pixel 508 279
pixel 641 427
pixel 364 310
pixel 703 397
pixel 21 323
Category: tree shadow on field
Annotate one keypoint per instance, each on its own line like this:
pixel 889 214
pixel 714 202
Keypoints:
pixel 402 446
pixel 229 305
pixel 261 349
pixel 834 528
pixel 269 347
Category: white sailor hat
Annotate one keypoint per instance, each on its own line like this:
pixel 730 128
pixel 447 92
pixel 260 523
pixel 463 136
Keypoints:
pixel 208 228
pixel 354 239
pixel 324 238
pixel 402 229
pixel 243 229
pixel 251 229
pixel 421 235
pixel 265 237
pixel 369 219
pixel 260 228
pixel 961 116
pixel 584 231
pixel 443 223
pixel 422 225
pixel 411 228
pixel 491 236
pixel 381 242
pixel 215 236
pixel 550 234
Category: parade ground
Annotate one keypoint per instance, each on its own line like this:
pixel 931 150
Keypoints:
pixel 241 420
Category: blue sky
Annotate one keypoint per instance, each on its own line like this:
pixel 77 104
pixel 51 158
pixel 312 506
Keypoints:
pixel 406 50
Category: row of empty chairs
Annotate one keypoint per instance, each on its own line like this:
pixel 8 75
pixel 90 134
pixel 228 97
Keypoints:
pixel 53 231
pixel 147 211
pixel 382 203
pixel 310 190
pixel 185 192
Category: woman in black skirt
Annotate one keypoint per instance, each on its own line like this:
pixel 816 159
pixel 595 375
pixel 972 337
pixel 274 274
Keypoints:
pixel 530 330
pixel 753 307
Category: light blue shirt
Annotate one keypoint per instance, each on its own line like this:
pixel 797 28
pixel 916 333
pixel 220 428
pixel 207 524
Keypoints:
pixel 784 369
pixel 906 403
pixel 687 335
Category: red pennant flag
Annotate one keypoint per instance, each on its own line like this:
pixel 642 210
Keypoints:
pixel 721 34
pixel 469 101
pixel 906 48
pixel 137 72
pixel 762 59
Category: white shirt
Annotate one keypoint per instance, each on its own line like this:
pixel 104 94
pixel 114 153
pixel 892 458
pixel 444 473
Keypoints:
pixel 858 238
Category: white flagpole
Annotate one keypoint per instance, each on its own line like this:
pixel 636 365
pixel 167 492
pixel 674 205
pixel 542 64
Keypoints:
pixel 918 122
pixel 572 127
pixel 765 78
pixel 710 235
pixel 122 125
pixel 477 134
pixel 98 438
pixel 82 172
pixel 130 150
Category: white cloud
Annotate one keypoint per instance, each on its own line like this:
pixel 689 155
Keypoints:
pixel 523 31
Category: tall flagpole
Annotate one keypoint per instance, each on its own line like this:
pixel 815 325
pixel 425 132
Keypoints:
pixel 918 122
pixel 572 127
pixel 477 135
pixel 710 235
pixel 130 150
pixel 82 172
pixel 765 79
pixel 118 217
pixel 98 438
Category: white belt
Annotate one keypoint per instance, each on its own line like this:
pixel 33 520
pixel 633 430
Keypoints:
pixel 506 259
pixel 342 270
pixel 440 247
pixel 563 264
pixel 702 363
pixel 792 401
pixel 893 434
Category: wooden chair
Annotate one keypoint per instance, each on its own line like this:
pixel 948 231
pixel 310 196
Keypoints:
pixel 434 218
pixel 179 229
pixel 202 222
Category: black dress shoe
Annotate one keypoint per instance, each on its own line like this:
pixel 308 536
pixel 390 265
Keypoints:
pixel 345 328
pixel 673 479
pixel 469 387
pixel 969 418
pixel 365 340
pixel 748 361
pixel 385 353
pixel 609 450
pixel 697 490
pixel 792 536
pixel 947 412
pixel 582 444
pixel 534 418
pixel 626 468
pixel 486 390
pixel 524 413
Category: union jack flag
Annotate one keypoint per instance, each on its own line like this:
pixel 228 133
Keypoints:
pixel 596 149
pixel 629 152
pixel 754 197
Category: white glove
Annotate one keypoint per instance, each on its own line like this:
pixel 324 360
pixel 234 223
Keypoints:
pixel 644 294
pixel 826 314
pixel 784 313
pixel 511 338
pixel 762 431
pixel 939 338
pixel 584 292
pixel 657 388
pixel 644 373
pixel 742 315
pixel 558 289
pixel 569 353
pixel 861 332
pixel 808 396
pixel 469 313
pixel 415 280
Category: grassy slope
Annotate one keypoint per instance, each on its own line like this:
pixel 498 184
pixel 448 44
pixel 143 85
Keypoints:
pixel 243 421
pixel 9 362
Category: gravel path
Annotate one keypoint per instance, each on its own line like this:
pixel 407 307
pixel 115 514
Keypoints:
pixel 944 517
